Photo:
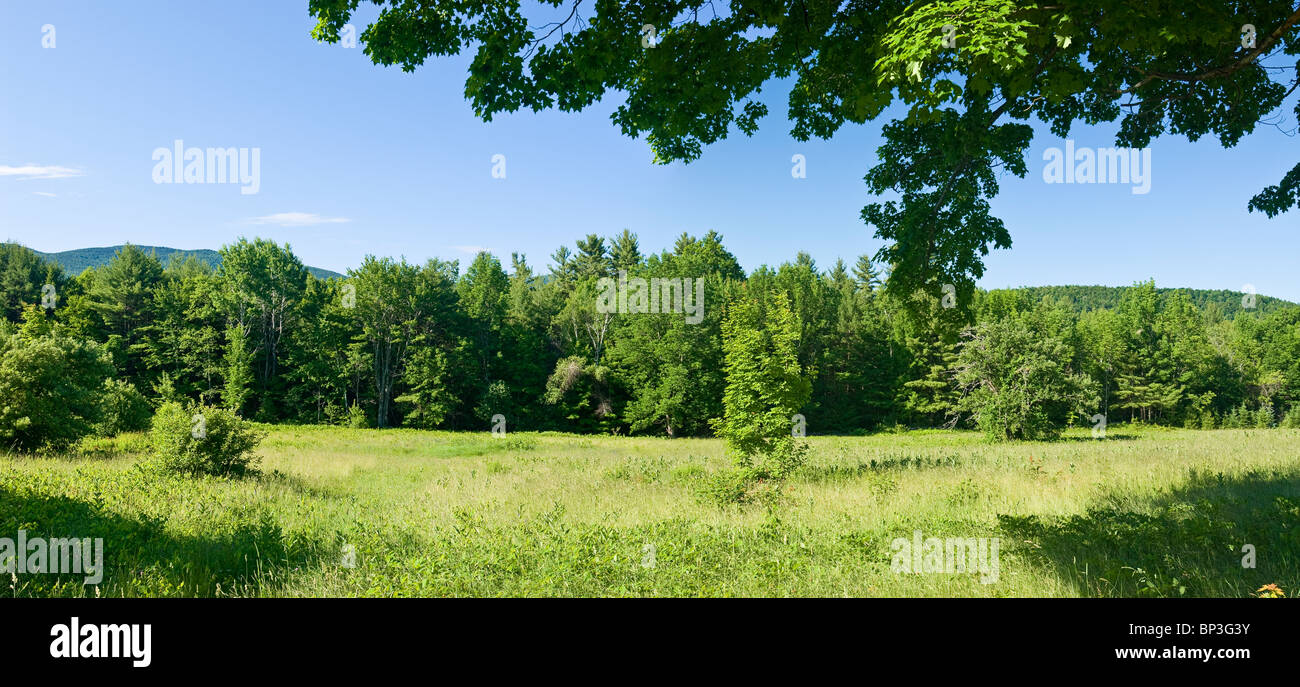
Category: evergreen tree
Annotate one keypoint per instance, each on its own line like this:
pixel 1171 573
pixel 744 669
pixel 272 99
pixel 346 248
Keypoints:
pixel 593 258
pixel 625 252
pixel 122 295
pixel 766 386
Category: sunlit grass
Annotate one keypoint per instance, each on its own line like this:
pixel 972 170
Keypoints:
pixel 1144 512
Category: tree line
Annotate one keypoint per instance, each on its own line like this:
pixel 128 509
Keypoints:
pixel 424 345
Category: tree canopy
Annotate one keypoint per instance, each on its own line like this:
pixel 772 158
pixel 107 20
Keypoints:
pixel 959 79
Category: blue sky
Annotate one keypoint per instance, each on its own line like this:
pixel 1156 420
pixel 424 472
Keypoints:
pixel 369 159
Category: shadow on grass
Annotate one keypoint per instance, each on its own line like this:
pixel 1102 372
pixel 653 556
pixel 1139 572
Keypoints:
pixel 298 485
pixel 141 558
pixel 1184 542
pixel 1110 436
pixel 837 472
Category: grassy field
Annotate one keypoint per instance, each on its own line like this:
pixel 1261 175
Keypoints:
pixel 1144 512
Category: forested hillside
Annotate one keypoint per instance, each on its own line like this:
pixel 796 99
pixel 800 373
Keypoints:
pixel 76 261
pixel 425 345
pixel 1083 298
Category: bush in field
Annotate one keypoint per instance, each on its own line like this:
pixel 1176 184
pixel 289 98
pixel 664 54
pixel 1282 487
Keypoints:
pixel 1264 417
pixel 725 487
pixel 122 409
pixel 203 440
pixel 50 386
pixel 1017 381
pixel 357 418
pixel 1292 418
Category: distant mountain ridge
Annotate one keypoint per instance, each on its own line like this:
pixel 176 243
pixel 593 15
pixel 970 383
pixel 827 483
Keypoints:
pixel 75 262
pixel 1083 298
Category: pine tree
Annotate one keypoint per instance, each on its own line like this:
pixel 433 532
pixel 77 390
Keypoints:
pixel 866 274
pixel 932 394
pixel 593 258
pixel 563 269
pixel 625 252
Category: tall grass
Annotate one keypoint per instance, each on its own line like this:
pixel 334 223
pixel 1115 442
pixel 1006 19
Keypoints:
pixel 1143 512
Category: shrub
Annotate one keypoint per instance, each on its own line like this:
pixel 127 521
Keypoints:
pixel 335 414
pixel 357 418
pixel 689 473
pixel 741 485
pixel 1017 380
pixel 203 440
pixel 727 486
pixel 1292 418
pixel 123 409
pixel 50 388
pixel 496 399
pixel 1264 416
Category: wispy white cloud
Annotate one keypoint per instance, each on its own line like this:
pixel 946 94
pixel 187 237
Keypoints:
pixel 297 219
pixel 34 171
pixel 472 250
pixel 47 194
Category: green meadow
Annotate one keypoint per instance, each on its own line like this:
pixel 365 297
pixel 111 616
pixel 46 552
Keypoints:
pixel 342 512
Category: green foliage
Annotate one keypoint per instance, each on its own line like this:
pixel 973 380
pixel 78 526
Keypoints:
pixel 1239 418
pixel 51 384
pixel 23 276
pixel 122 409
pixel 430 374
pixel 745 485
pixel 356 418
pixel 400 306
pixel 183 345
pixel 261 286
pixel 495 400
pixel 238 371
pixel 423 346
pixel 581 389
pixel 766 386
pixel 1017 381
pixel 203 440
pixel 671 369
pixel 123 444
pixel 1224 303
pixel 482 295
pixel 120 296
pixel 323 360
